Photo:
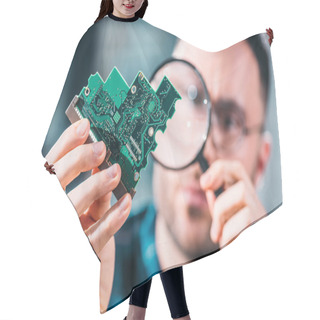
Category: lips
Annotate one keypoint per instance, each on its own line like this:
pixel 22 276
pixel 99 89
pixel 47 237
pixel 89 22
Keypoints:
pixel 129 6
pixel 194 197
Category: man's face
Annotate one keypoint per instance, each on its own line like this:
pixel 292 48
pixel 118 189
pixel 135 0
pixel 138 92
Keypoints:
pixel 231 76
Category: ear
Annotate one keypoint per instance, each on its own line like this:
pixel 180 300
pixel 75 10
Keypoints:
pixel 263 156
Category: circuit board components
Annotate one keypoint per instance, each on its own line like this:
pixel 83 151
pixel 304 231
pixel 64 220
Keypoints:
pixel 126 119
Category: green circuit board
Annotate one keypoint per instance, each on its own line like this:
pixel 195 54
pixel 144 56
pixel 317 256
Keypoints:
pixel 126 119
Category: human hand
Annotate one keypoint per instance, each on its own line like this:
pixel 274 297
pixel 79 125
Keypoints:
pixel 237 206
pixel 91 199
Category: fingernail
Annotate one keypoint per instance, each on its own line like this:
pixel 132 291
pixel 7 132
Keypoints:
pixel 214 235
pixel 124 202
pixel 112 171
pixel 98 148
pixel 204 179
pixel 81 130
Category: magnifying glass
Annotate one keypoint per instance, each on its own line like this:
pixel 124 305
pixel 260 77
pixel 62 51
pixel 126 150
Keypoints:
pixel 183 141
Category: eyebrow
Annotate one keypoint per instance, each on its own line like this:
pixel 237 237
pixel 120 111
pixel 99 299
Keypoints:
pixel 229 104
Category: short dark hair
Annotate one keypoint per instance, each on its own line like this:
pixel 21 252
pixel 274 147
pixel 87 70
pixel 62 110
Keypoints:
pixel 258 45
pixel 106 7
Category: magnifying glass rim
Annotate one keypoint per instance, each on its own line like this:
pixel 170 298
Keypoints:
pixel 167 61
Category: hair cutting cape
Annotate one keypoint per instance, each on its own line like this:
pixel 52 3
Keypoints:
pixel 174 219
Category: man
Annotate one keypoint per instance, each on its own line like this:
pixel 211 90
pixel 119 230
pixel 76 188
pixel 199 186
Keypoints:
pixel 186 220
pixel 188 214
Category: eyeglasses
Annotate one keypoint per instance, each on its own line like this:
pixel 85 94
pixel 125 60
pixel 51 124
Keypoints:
pixel 229 127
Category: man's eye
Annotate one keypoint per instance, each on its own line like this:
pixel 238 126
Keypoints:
pixel 228 122
pixel 194 94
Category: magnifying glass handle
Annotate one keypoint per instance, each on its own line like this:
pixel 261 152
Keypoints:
pixel 204 166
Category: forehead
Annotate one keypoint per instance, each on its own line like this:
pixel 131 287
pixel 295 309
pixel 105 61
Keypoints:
pixel 231 74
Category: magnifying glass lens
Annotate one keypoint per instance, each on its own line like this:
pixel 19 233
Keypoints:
pixel 187 130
